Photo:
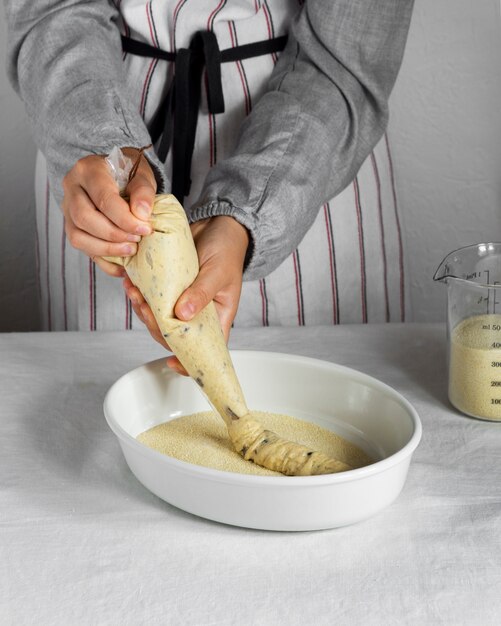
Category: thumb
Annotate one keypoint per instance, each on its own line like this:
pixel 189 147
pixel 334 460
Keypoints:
pixel 198 295
pixel 141 190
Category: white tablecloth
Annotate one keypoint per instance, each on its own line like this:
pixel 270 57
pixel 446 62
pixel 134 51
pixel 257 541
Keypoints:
pixel 82 542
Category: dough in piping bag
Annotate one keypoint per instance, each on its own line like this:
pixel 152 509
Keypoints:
pixel 165 265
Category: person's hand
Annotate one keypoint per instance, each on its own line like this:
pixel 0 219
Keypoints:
pixel 98 221
pixel 221 244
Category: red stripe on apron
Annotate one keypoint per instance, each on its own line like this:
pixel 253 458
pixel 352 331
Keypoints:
pixel 381 225
pixel 177 9
pixel 146 85
pixel 248 107
pixel 400 246
pixel 211 116
pixel 47 210
pixel 264 302
pixel 363 279
pixel 212 129
pixel 63 276
pixel 151 23
pixel 212 16
pixel 332 263
pixel 240 67
pixel 144 97
pixel 299 289
pixel 269 23
pixel 94 294
pixel 153 64
pixel 37 260
pixel 91 297
pixel 127 314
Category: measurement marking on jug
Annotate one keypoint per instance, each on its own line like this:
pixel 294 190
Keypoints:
pixel 496 344
pixel 495 383
pixel 495 400
pixel 495 363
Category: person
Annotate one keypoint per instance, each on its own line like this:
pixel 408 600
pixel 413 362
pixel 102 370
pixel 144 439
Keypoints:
pixel 268 121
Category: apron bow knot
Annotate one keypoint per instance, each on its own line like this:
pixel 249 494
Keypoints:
pixel 175 120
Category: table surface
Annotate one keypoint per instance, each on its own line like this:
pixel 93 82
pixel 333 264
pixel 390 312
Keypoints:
pixel 83 542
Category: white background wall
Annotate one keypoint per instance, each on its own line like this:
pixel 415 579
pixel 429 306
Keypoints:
pixel 445 131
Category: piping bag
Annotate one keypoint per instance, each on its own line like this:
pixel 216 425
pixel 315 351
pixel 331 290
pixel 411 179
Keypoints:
pixel 166 264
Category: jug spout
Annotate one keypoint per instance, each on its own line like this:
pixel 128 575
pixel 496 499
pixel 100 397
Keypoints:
pixel 477 264
pixel 446 269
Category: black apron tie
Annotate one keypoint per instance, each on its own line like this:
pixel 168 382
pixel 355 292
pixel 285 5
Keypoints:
pixel 175 121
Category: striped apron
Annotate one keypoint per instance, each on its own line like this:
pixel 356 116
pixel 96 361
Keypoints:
pixel 349 267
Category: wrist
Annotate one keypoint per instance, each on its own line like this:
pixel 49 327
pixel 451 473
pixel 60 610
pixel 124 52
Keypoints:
pixel 224 228
pixel 239 230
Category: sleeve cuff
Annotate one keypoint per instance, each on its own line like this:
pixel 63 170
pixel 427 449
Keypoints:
pixel 254 266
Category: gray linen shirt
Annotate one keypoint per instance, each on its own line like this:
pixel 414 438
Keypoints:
pixel 325 108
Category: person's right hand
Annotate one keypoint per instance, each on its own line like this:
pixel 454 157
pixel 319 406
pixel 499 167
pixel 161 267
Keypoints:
pixel 98 221
pixel 221 244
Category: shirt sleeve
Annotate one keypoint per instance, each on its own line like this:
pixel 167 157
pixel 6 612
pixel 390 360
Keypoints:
pixel 64 58
pixel 325 109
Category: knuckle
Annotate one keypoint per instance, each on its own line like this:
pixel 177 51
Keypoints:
pixel 115 236
pixel 112 250
pixel 74 238
pixel 104 201
pixel 113 270
pixel 142 185
pixel 78 218
pixel 201 295
pixel 78 169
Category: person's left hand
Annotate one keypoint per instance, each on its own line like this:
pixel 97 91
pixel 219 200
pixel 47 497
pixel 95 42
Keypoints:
pixel 221 244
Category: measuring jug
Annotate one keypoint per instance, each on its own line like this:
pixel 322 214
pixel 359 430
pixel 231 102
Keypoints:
pixel 473 278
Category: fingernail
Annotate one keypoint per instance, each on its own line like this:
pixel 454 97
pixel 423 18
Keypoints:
pixel 143 229
pixel 187 310
pixel 143 210
pixel 134 238
pixel 127 249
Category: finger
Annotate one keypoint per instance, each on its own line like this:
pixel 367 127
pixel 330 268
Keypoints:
pixel 144 313
pixel 137 300
pixel 127 283
pixel 151 323
pixel 103 193
pixel 175 364
pixel 136 307
pixel 141 191
pixel 226 317
pixel 202 291
pixel 134 295
pixel 112 269
pixel 94 247
pixel 86 217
